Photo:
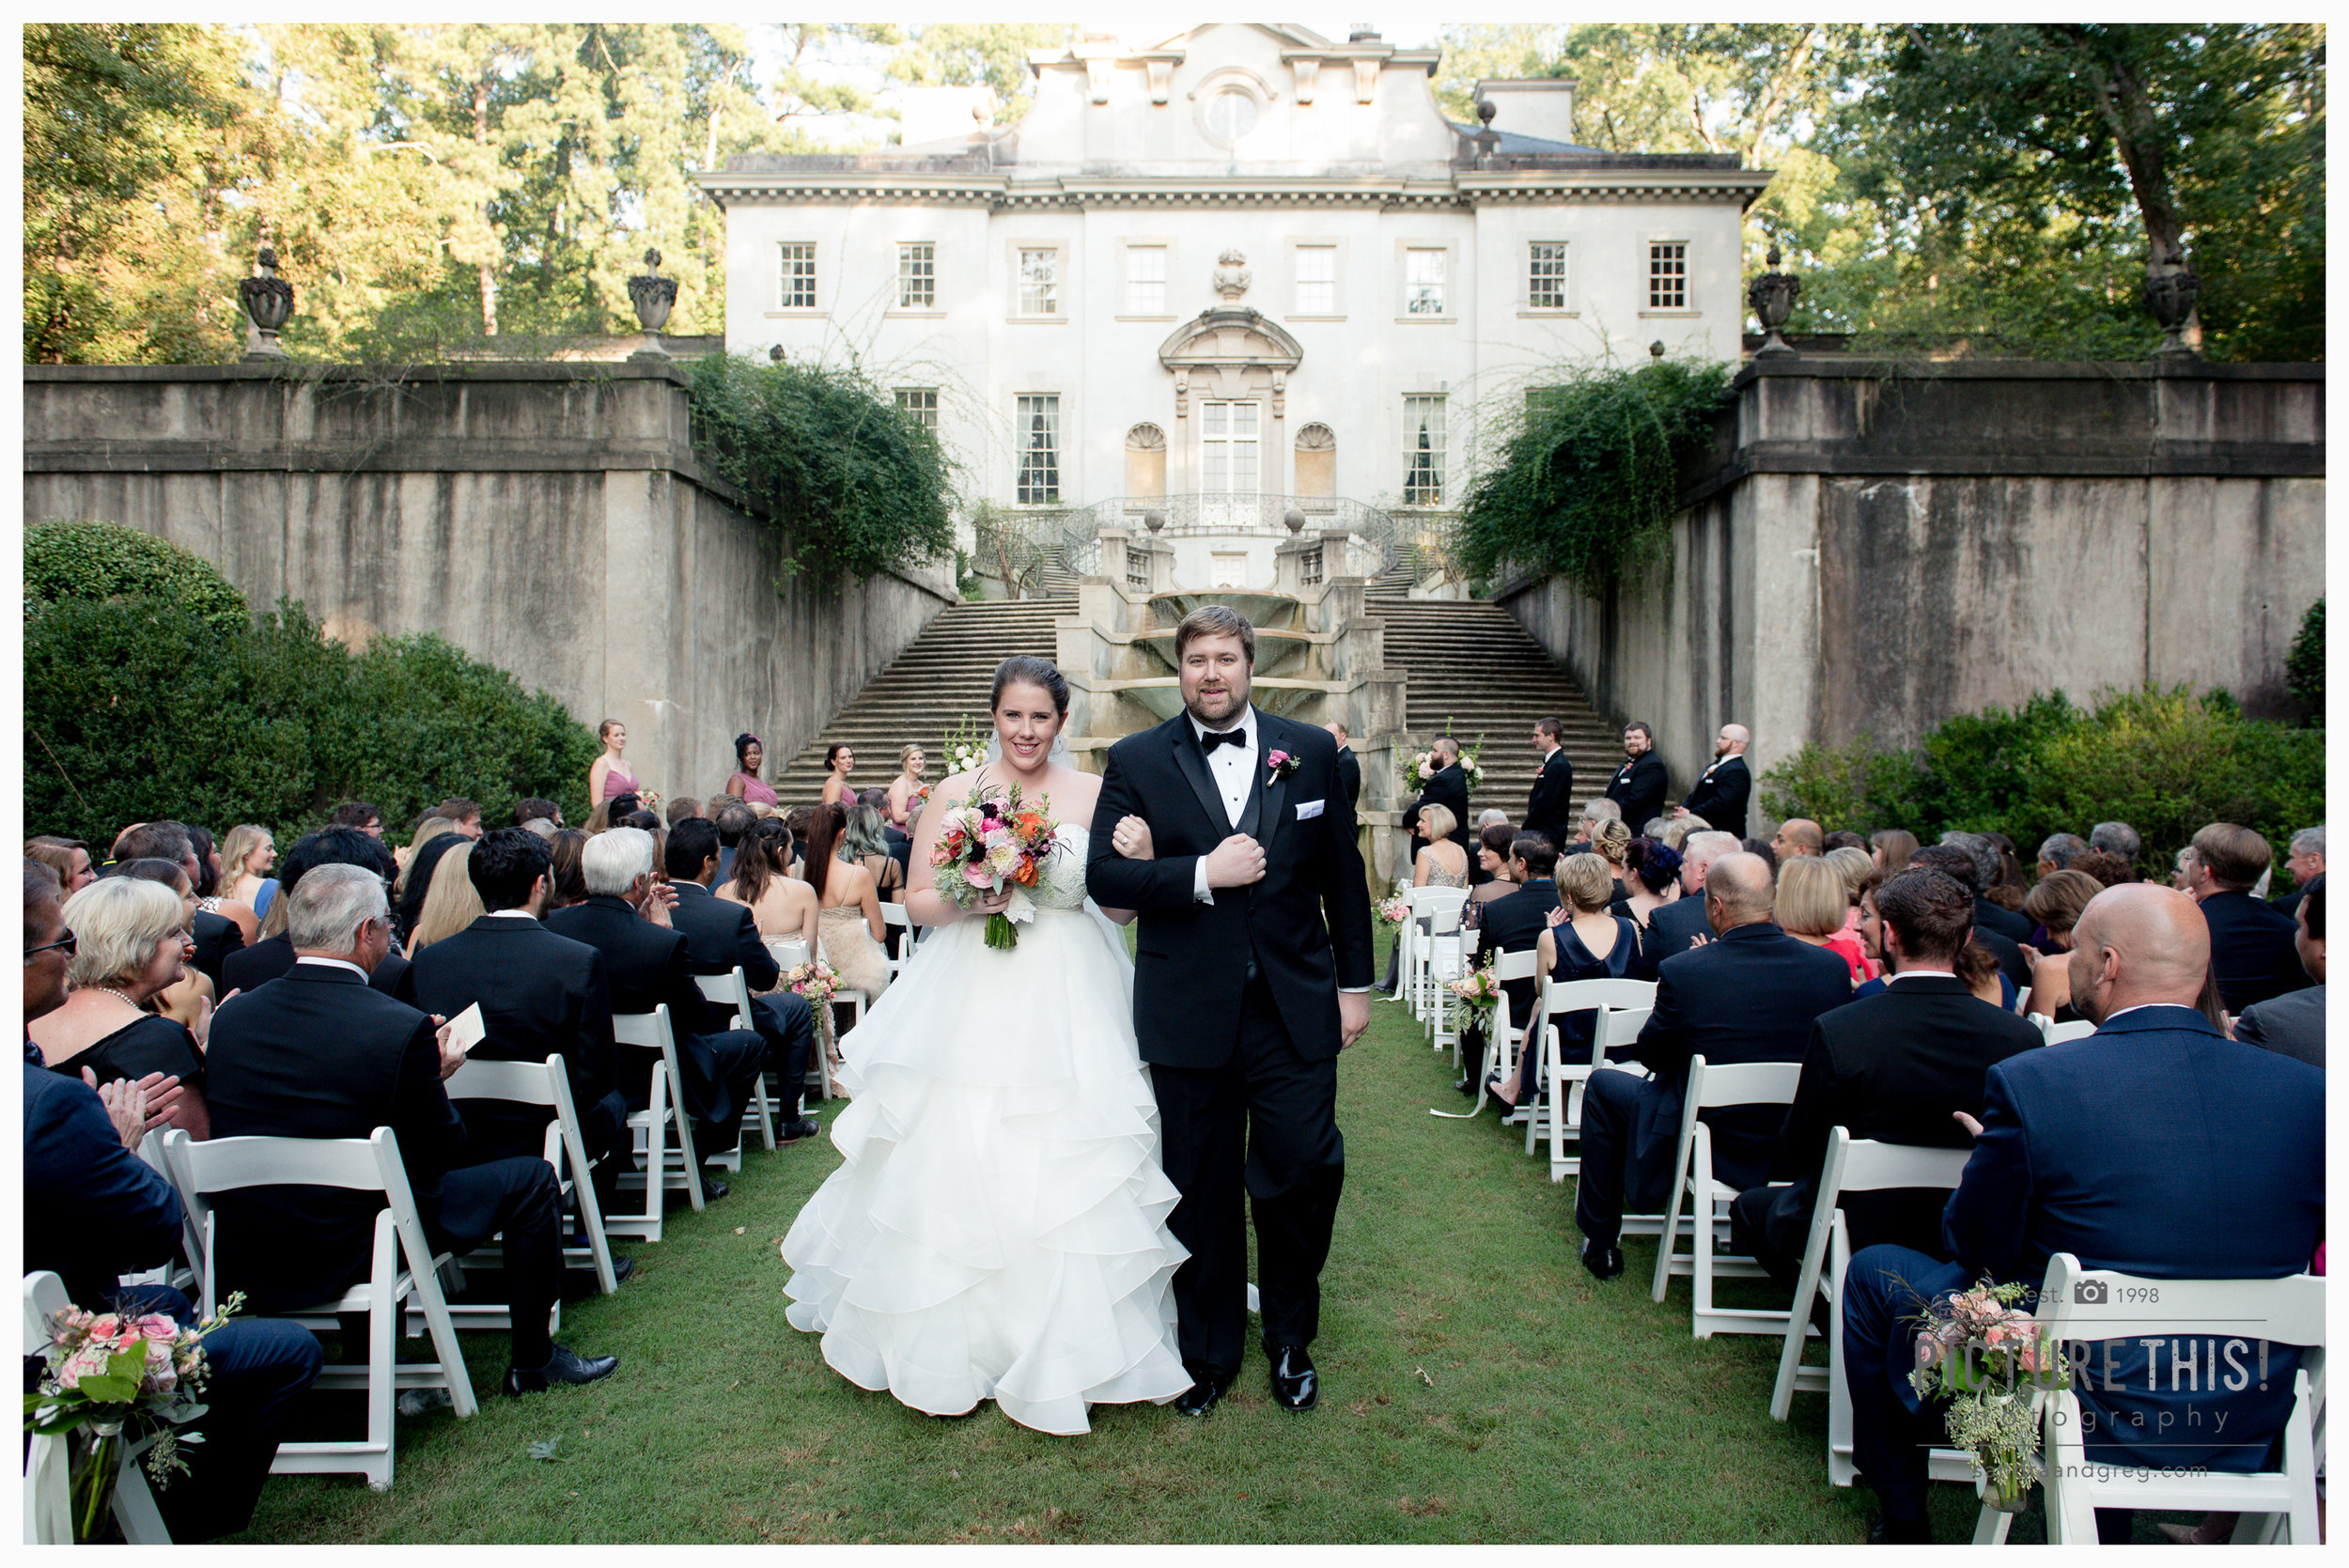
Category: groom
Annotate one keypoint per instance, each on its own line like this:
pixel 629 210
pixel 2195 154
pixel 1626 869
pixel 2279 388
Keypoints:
pixel 1243 996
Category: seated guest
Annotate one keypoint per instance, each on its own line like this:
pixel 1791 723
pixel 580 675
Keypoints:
pixel 210 891
pixel 462 814
pixel 1835 841
pixel 1860 872
pixel 733 822
pixel 2057 852
pixel 1652 873
pixel 1954 860
pixel 67 857
pixel 1675 927
pixel 543 826
pixel 535 810
pixel 1750 995
pixel 1796 836
pixel 2293 1023
pixel 1611 842
pixel 2304 858
pixel 216 935
pixel 645 961
pixel 2006 886
pixel 864 842
pixel 1677 831
pixel 273 954
pixel 2252 951
pixel 1810 907
pixel 2117 837
pixel 1891 847
pixel 781 906
pixel 1493 850
pixel 320 1053
pixel 1594 813
pixel 450 903
pixel 683 807
pixel 542 995
pixel 361 815
pixel 1582 941
pixel 1892 1068
pixel 190 998
pixel 1442 862
pixel 427 830
pixel 1761 850
pixel 570 883
pixel 2156 1147
pixel 722 936
pixel 2109 869
pixel 2055 901
pixel 127 950
pixel 416 883
pixel 1514 923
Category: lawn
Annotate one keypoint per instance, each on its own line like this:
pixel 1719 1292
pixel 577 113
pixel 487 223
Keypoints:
pixel 1477 1385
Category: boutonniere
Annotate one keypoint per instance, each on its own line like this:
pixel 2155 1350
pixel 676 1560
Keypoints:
pixel 1280 764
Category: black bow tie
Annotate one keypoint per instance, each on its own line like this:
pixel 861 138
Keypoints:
pixel 1210 739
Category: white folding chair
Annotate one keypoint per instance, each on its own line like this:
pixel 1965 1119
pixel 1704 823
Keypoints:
pixel 2269 1504
pixel 543 1083
pixel 1441 907
pixel 1504 1036
pixel 2056 1033
pixel 733 990
pixel 1448 951
pixel 1710 1089
pixel 789 954
pixel 1555 1111
pixel 201 1171
pixel 897 915
pixel 666 1166
pixel 1411 955
pixel 48 1461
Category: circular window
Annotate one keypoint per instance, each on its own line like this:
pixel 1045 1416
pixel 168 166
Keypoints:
pixel 1231 114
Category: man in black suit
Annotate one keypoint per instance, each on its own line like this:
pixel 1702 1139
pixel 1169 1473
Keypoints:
pixel 542 995
pixel 2251 953
pixel 216 935
pixel 1252 971
pixel 2304 859
pixel 250 967
pixel 1891 1068
pixel 719 934
pixel 646 964
pixel 1722 790
pixel 1514 923
pixel 1447 786
pixel 1954 862
pixel 732 822
pixel 1749 996
pixel 1549 805
pixel 1349 766
pixel 1639 784
pixel 2293 1024
pixel 320 1053
pixel 1674 928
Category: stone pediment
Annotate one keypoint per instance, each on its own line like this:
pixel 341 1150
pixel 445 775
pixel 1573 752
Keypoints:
pixel 1236 339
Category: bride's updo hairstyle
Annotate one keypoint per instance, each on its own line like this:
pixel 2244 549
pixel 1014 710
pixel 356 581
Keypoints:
pixel 1026 669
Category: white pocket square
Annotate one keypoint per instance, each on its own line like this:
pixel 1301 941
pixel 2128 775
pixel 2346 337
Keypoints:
pixel 1306 810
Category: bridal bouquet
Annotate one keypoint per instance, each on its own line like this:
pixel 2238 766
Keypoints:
pixel 991 842
pixel 1988 1355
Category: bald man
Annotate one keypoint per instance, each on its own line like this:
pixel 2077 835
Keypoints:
pixel 1722 790
pixel 1798 835
pixel 2157 1148
pixel 1749 995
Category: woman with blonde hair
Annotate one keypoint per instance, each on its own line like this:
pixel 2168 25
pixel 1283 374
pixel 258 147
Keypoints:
pixel 1860 872
pixel 1585 941
pixel 1442 863
pixel 191 997
pixel 1610 841
pixel 450 903
pixel 245 858
pixel 906 789
pixel 1811 908
pixel 129 938
pixel 608 776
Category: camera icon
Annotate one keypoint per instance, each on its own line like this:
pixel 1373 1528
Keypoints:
pixel 2090 1293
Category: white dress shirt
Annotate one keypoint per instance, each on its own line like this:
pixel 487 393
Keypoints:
pixel 1233 771
pixel 332 963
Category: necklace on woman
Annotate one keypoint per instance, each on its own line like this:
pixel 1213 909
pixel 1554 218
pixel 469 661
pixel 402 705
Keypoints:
pixel 122 996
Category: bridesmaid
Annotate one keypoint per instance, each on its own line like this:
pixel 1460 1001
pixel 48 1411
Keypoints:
pixel 744 783
pixel 608 776
pixel 912 765
pixel 841 761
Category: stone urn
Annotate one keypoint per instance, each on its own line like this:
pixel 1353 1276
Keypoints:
pixel 653 297
pixel 2170 289
pixel 268 300
pixel 1296 520
pixel 1773 296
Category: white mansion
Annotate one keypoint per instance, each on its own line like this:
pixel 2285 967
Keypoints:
pixel 1243 261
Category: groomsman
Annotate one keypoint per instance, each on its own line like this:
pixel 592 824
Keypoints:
pixel 1549 806
pixel 1639 785
pixel 1447 786
pixel 1724 788
pixel 1349 766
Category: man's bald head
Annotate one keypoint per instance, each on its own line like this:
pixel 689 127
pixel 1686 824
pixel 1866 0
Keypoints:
pixel 2138 944
pixel 1731 741
pixel 1737 891
pixel 1798 835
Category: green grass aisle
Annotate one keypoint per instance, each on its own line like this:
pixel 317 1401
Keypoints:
pixel 1476 1386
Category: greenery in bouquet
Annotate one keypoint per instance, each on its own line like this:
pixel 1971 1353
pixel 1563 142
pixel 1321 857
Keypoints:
pixel 992 842
pixel 814 979
pixel 1988 1356
pixel 966 745
pixel 1474 995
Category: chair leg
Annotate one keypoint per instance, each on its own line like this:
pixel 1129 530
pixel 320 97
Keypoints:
pixel 383 1374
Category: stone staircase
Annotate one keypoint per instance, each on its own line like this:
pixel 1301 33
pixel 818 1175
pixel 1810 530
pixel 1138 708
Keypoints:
pixel 944 677
pixel 1472 664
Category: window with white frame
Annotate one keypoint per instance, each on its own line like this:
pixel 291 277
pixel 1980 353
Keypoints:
pixel 1668 275
pixel 1146 280
pixel 1039 280
pixel 921 402
pixel 1038 436
pixel 1317 280
pixel 797 277
pixel 1422 450
pixel 1424 281
pixel 1545 275
pixel 917 275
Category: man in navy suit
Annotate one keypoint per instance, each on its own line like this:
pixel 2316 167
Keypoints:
pixel 1639 784
pixel 1748 996
pixel 1675 927
pixel 2157 1148
pixel 1549 805
pixel 2252 951
pixel 1722 790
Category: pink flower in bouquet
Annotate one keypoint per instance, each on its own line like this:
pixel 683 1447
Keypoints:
pixel 1929 1351
pixel 105 1325
pixel 160 1376
pixel 157 1325
pixel 90 1361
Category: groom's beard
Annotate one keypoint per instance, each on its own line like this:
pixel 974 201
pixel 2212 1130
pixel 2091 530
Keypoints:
pixel 1218 709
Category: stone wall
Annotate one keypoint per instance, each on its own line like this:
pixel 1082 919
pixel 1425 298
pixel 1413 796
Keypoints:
pixel 1869 549
pixel 549 518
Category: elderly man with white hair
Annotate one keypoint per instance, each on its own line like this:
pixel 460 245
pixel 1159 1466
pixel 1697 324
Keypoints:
pixel 320 1053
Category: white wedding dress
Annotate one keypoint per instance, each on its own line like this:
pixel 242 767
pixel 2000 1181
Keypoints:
pixel 997 1228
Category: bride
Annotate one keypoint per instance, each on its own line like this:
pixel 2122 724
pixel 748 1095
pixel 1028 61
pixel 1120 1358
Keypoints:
pixel 997 1228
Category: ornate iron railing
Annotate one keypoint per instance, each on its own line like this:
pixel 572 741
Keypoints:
pixel 1073 538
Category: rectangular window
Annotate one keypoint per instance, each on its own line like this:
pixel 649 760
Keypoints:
pixel 797 292
pixel 1317 280
pixel 1039 449
pixel 1422 282
pixel 1546 276
pixel 1229 447
pixel 1423 451
pixel 1039 282
pixel 1668 275
pixel 921 403
pixel 917 276
pixel 1146 280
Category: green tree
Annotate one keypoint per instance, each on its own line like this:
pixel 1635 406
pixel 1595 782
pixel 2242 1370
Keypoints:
pixel 966 54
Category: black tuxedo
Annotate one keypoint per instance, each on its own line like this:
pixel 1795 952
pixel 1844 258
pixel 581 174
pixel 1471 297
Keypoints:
pixel 1750 995
pixel 1721 793
pixel 720 935
pixel 1236 1007
pixel 318 1054
pixel 1891 1067
pixel 216 937
pixel 1639 786
pixel 250 967
pixel 646 966
pixel 1674 928
pixel 1447 787
pixel 1350 778
pixel 1549 805
pixel 2251 952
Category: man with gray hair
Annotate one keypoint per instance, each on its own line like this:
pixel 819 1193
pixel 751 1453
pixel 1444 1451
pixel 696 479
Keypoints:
pixel 1594 813
pixel 1988 863
pixel 2304 859
pixel 1674 928
pixel 2116 838
pixel 2057 852
pixel 320 1053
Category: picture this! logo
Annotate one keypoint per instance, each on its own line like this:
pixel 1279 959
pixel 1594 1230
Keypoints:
pixel 2090 1293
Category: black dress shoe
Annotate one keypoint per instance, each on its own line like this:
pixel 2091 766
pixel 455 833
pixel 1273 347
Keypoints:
pixel 1889 1532
pixel 1467 1087
pixel 1604 1263
pixel 713 1190
pixel 1294 1386
pixel 1200 1397
pixel 798 1132
pixel 562 1367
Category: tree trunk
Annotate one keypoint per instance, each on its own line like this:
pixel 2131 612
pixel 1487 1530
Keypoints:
pixel 488 266
pixel 2127 111
pixel 1775 99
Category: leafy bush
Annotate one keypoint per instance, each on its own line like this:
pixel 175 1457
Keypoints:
pixel 2165 762
pixel 852 484
pixel 105 560
pixel 2304 666
pixel 137 708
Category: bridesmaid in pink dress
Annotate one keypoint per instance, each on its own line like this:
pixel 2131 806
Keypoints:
pixel 608 776
pixel 744 783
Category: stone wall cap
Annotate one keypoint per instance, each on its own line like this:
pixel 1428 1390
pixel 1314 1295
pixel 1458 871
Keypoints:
pixel 483 370
pixel 1848 367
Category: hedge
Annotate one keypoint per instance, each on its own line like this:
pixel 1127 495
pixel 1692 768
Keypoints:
pixel 105 560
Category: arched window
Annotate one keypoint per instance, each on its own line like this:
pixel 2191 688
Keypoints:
pixel 1146 460
pixel 1317 460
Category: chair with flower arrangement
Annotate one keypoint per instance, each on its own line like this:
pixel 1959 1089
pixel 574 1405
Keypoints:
pixel 1622 1006
pixel 1450 946
pixel 1505 1035
pixel 48 1459
pixel 1440 907
pixel 1707 1200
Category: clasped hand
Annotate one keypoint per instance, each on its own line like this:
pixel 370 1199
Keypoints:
pixel 1236 863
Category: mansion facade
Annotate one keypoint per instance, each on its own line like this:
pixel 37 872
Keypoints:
pixel 1244 261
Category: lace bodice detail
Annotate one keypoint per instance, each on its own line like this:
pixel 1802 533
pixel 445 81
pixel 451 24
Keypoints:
pixel 1439 877
pixel 1062 883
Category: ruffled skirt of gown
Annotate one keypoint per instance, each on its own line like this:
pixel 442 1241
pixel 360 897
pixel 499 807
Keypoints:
pixel 998 1227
